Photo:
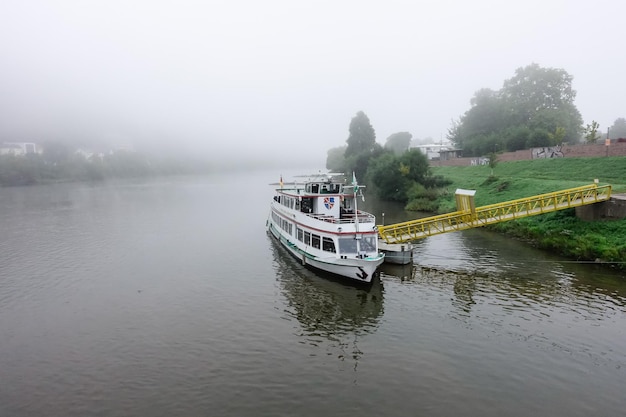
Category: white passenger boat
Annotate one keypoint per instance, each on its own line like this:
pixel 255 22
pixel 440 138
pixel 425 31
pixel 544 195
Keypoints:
pixel 319 223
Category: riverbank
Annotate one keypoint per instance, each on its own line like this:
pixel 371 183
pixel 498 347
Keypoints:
pixel 561 232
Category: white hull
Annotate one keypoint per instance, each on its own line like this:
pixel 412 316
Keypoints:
pixel 358 270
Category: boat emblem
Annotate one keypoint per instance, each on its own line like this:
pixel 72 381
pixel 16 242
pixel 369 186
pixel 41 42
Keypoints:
pixel 329 202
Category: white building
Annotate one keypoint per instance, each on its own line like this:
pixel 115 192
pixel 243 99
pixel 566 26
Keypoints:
pixel 435 151
pixel 17 148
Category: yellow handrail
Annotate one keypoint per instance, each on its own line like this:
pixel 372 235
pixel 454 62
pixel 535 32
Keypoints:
pixel 494 213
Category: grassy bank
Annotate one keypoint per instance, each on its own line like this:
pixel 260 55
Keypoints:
pixel 560 232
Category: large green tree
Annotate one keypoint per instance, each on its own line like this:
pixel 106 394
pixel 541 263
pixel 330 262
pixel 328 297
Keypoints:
pixel 533 108
pixel 362 136
pixel 394 175
pixel 362 145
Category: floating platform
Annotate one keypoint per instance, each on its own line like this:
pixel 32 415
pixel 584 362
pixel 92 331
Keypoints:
pixel 396 253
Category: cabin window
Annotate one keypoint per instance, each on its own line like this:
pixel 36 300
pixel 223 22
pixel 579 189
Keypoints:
pixel 307 238
pixel 328 245
pixel 307 205
pixel 347 245
pixel 368 244
pixel 315 241
pixel 315 188
pixel 300 234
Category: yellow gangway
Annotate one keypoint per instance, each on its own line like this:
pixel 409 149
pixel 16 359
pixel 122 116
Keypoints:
pixel 468 216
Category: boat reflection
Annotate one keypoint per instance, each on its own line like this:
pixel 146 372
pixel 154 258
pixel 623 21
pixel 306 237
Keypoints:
pixel 329 313
pixel 402 272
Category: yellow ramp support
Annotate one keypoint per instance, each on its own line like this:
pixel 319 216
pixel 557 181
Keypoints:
pixel 468 216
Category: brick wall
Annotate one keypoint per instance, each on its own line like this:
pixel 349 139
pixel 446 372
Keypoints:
pixel 564 151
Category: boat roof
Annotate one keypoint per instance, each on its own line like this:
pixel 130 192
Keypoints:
pixel 323 177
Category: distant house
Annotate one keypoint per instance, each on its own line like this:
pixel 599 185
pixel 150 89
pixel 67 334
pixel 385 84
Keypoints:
pixel 18 148
pixel 438 151
pixel 90 154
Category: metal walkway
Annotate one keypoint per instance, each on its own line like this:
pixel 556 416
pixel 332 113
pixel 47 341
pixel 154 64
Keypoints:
pixel 468 216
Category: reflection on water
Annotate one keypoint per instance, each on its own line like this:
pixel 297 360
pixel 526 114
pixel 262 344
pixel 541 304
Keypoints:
pixel 565 284
pixel 330 314
pixel 584 303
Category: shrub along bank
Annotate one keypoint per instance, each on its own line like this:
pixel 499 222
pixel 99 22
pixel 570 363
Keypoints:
pixel 561 232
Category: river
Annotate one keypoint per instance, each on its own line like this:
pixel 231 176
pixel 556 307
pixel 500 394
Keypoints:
pixel 166 297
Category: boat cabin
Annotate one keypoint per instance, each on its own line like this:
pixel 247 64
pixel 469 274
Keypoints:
pixel 327 198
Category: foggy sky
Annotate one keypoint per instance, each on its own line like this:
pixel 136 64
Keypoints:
pixel 282 79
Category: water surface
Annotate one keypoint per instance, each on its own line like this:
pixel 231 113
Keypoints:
pixel 167 297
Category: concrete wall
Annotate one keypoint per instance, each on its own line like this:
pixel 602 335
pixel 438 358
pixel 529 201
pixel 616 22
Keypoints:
pixel 614 209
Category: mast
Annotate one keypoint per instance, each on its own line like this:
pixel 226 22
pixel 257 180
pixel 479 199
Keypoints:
pixel 356 215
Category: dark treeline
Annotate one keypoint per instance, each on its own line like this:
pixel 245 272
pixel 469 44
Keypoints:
pixel 45 168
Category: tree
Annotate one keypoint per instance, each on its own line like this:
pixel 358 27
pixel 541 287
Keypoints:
pixel 543 98
pixel 539 138
pixel 362 137
pixel 516 137
pixel 398 142
pixel 534 88
pixel 591 132
pixel 335 160
pixel 362 145
pixel 393 176
pixel 618 130
pixel 415 165
pixel 384 174
pixel 558 136
pixel 534 101
pixel 483 118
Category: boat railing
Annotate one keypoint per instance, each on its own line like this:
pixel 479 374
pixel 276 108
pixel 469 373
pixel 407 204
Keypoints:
pixel 362 217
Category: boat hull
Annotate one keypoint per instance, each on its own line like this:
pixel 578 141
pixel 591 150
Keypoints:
pixel 361 270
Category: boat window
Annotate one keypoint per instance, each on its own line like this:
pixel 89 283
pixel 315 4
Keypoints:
pixel 368 244
pixel 315 241
pixel 315 188
pixel 300 234
pixel 307 238
pixel 328 245
pixel 307 205
pixel 347 245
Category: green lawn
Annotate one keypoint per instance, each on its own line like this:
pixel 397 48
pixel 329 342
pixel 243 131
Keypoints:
pixel 560 232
